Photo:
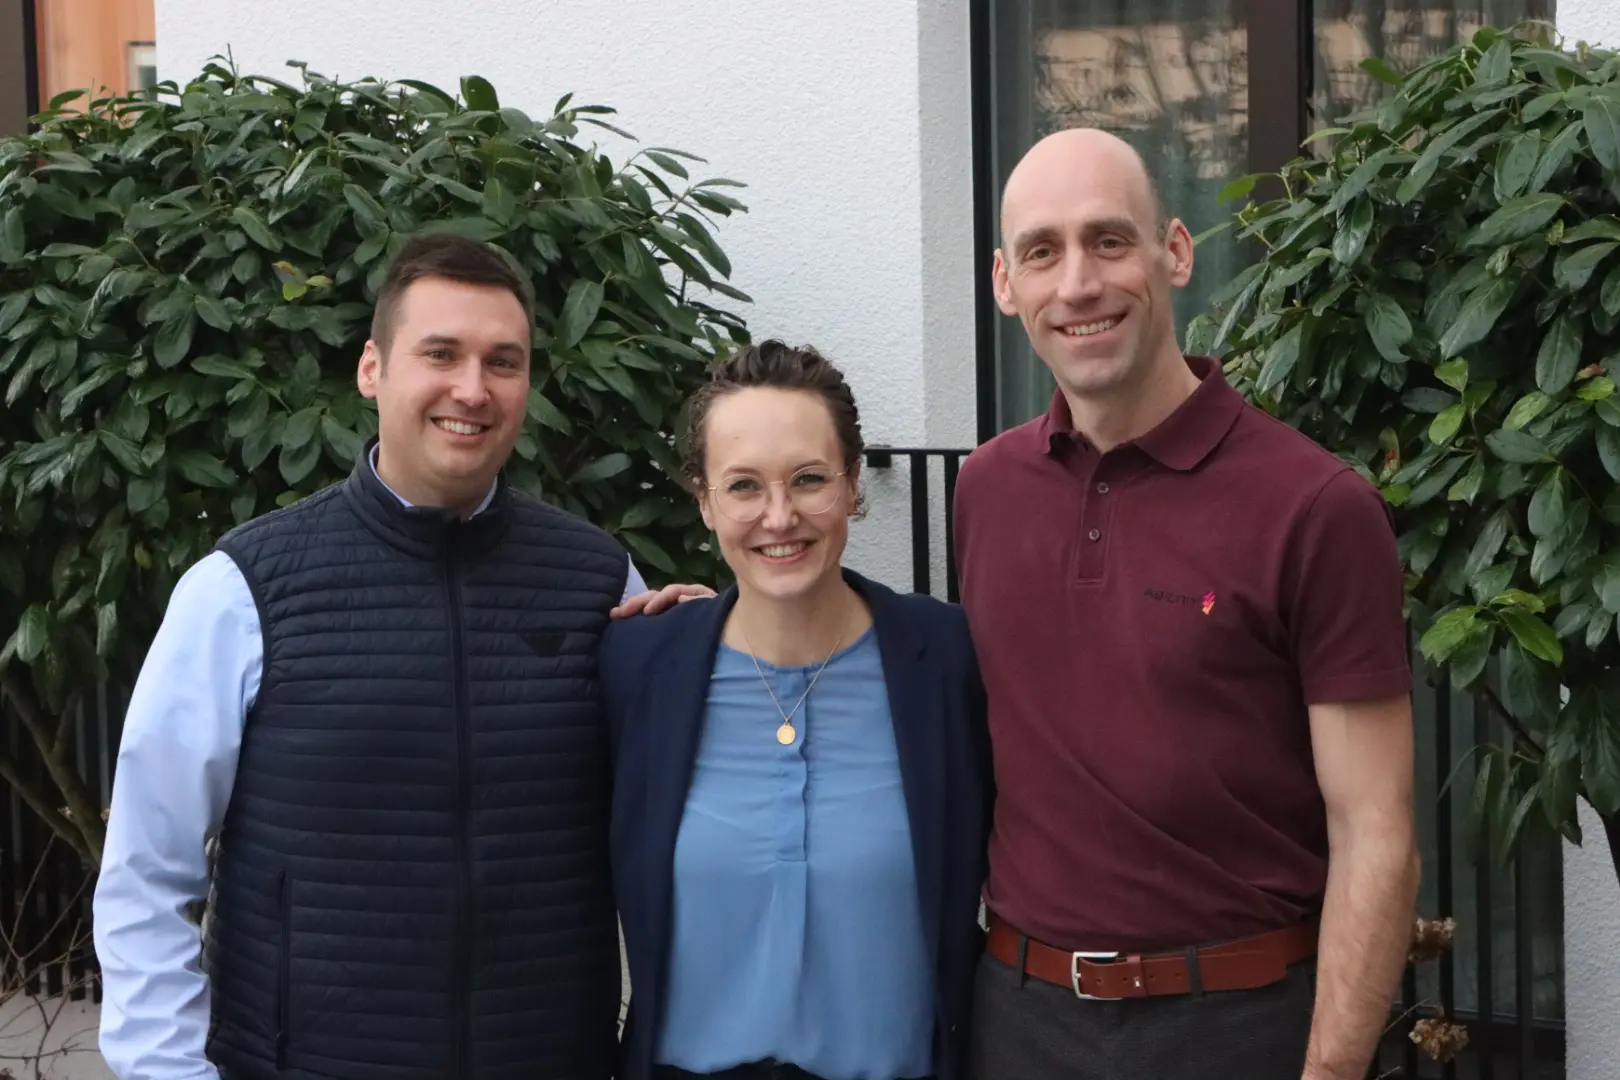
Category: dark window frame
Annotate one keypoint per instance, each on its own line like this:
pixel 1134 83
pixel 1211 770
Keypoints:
pixel 19 86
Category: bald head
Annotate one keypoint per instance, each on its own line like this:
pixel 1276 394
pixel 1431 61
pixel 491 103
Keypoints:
pixel 1073 164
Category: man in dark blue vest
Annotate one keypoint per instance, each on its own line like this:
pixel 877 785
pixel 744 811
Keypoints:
pixel 382 703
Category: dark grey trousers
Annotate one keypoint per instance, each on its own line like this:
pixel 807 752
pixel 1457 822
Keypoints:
pixel 1035 1030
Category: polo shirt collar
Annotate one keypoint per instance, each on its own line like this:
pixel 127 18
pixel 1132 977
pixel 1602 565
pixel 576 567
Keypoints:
pixel 1184 438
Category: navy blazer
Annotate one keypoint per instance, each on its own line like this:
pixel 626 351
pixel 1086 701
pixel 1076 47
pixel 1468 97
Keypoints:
pixel 655 672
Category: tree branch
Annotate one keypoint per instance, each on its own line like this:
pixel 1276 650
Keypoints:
pixel 83 812
pixel 40 803
pixel 28 710
pixel 1521 737
pixel 64 723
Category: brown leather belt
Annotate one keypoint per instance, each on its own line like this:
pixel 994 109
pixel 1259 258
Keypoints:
pixel 1245 964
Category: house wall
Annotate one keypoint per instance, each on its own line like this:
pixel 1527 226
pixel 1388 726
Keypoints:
pixel 856 153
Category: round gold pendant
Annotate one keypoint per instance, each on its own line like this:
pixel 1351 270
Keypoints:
pixel 785 734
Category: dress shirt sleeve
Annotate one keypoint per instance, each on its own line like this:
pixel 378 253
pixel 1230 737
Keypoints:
pixel 176 767
pixel 634 584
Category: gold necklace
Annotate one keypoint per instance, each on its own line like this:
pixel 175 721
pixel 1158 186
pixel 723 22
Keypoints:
pixel 786 734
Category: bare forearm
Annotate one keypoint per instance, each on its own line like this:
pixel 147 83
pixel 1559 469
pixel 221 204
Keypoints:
pixel 1366 931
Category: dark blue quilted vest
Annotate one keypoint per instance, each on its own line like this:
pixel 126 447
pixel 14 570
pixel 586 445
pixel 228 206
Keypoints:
pixel 412 879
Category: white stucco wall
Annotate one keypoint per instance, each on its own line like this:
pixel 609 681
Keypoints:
pixel 849 145
pixel 1591 947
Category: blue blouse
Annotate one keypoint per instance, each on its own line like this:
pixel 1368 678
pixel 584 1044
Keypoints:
pixel 797 935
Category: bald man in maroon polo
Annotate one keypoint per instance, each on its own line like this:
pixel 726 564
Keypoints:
pixel 1189 621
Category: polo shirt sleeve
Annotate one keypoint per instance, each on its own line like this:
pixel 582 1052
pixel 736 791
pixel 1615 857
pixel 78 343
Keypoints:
pixel 1344 592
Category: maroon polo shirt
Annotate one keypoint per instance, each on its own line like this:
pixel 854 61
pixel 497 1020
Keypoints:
pixel 1152 624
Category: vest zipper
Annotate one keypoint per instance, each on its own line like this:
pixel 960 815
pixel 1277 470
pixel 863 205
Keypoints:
pixel 462 958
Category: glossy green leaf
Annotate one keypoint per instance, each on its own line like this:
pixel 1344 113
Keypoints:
pixel 1446 424
pixel 1351 240
pixel 1281 358
pixel 602 468
pixel 203 469
pixel 1574 266
pixel 173 341
pixel 256 229
pixel 1515 163
pixel 1599 388
pixel 1549 505
pixel 1448 633
pixel 1467 489
pixel 1517 446
pixel 1516 220
pixel 1608 447
pixel 480 94
pixel 1454 373
pixel 1388 326
pixel 1533 635
pixel 1526 409
pixel 1479 314
pixel 1559 355
pixel 579 311
pixel 1529 686
pixel 1601 117
pixel 1560 151
pixel 297 460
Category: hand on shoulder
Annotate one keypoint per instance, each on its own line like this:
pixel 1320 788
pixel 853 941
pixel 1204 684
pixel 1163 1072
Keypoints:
pixel 654 601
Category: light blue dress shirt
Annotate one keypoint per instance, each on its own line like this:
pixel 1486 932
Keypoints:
pixel 176 769
pixel 797 931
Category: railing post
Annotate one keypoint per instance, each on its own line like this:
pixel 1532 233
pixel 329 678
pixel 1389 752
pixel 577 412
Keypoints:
pixel 919 521
pixel 1485 1013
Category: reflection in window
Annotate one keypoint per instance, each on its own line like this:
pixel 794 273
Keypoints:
pixel 1406 33
pixel 142 65
pixel 1171 78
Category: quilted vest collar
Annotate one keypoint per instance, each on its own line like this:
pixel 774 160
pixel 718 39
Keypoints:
pixel 423 531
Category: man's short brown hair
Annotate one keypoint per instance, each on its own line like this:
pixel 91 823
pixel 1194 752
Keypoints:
pixel 444 255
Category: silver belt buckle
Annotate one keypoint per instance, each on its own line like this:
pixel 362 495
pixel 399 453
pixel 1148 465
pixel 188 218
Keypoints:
pixel 1074 971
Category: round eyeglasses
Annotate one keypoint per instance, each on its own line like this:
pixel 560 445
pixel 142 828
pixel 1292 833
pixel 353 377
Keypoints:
pixel 744 498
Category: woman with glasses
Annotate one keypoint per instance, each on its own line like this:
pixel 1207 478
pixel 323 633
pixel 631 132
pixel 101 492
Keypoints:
pixel 801 789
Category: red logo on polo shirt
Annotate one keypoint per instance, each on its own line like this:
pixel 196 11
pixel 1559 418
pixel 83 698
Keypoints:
pixel 1168 596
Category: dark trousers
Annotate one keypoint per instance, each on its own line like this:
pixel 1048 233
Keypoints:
pixel 1024 1029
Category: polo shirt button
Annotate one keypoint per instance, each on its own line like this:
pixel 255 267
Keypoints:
pixel 1102 488
pixel 1095 535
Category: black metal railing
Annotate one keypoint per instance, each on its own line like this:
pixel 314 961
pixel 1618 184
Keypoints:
pixel 1509 936
pixel 46 886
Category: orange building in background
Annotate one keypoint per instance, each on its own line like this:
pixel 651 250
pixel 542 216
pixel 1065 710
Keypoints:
pixel 99 45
